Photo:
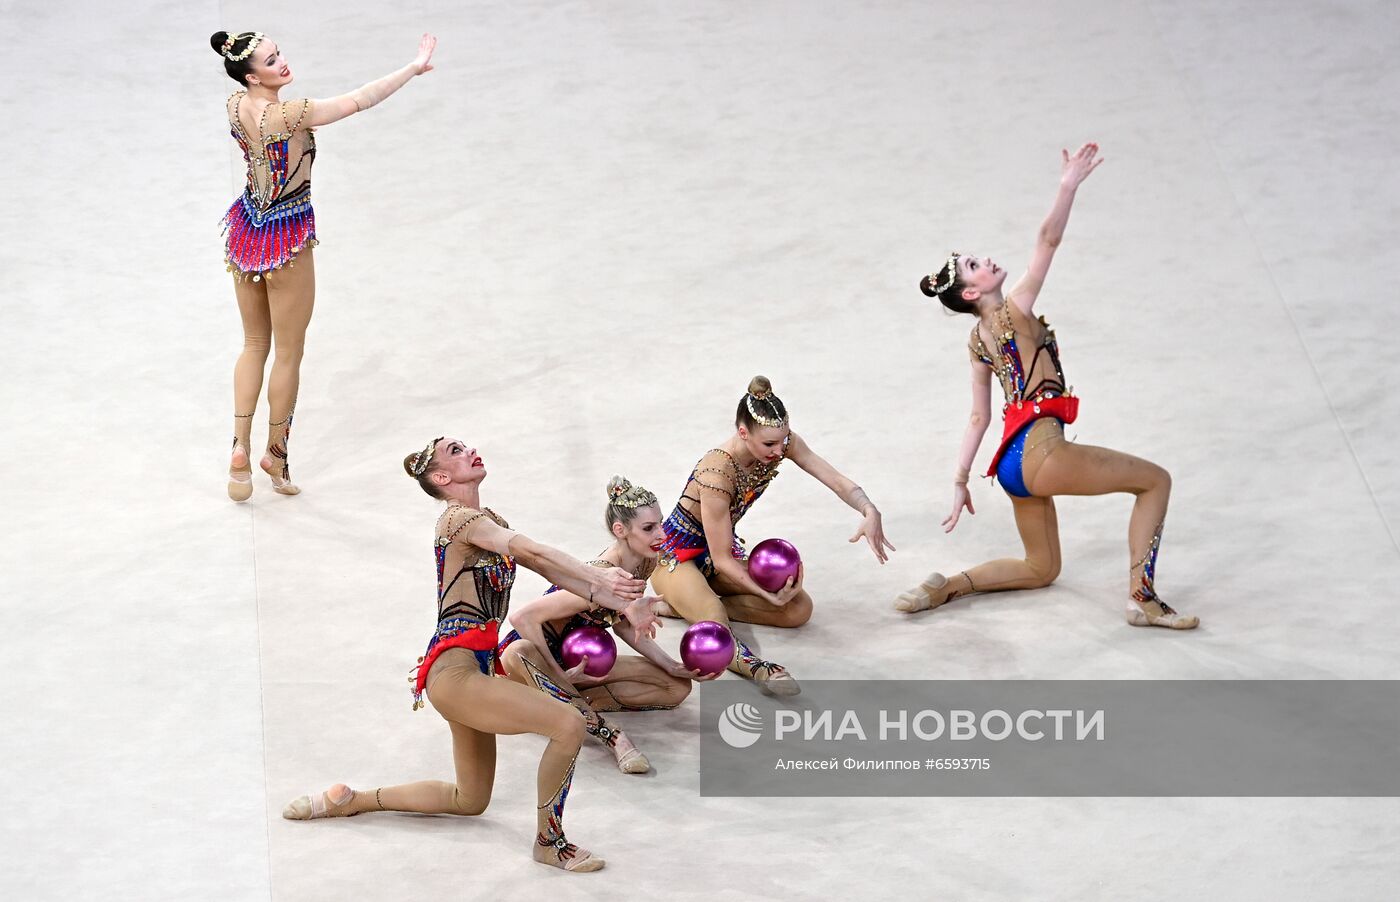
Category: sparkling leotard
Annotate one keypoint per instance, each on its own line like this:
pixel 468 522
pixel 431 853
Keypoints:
pixel 1046 395
pixel 717 471
pixel 474 601
pixel 272 221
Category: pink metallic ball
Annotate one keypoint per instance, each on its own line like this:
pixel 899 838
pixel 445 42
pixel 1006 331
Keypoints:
pixel 772 562
pixel 592 642
pixel 707 647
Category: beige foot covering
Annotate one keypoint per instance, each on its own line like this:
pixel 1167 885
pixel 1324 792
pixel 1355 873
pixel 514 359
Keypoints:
pixel 274 462
pixel 928 594
pixel 1145 608
pixel 772 679
pixel 331 803
pixel 551 846
pixel 633 761
pixel 240 473
pixel 1155 612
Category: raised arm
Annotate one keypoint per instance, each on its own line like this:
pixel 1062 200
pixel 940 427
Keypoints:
pixel 977 423
pixel 1073 171
pixel 333 109
pixel 871 527
pixel 613 588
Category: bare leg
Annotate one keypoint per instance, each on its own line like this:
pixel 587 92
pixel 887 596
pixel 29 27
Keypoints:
pixel 1040 537
pixel 522 660
pixel 690 595
pixel 747 608
pixel 636 684
pixel 247 381
pixel 291 295
pixel 1087 470
pixel 480 707
pixel 473 754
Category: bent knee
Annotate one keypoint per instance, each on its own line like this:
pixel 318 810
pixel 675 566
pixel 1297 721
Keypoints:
pixel 676 691
pixel 516 652
pixel 1044 572
pixel 796 612
pixel 569 725
pixel 1157 480
pixel 470 805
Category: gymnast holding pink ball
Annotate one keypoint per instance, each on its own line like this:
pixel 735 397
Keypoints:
pixel 561 644
pixel 710 578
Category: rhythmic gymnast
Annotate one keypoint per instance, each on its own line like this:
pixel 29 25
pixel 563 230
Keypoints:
pixel 477 553
pixel 1033 462
pixel 650 681
pixel 727 481
pixel 271 228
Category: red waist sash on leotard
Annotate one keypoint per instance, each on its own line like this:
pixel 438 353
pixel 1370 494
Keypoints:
pixel 687 554
pixel 1016 416
pixel 483 638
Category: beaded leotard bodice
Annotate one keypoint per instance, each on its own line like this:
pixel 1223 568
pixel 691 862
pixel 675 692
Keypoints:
pixel 1011 329
pixel 717 471
pixel 279 156
pixel 479 588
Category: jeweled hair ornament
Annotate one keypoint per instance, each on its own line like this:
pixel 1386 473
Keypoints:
pixel 419 465
pixel 764 419
pixel 624 494
pixel 254 38
pixel 952 267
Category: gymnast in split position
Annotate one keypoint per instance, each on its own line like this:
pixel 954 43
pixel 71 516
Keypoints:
pixel 270 232
pixel 1033 461
pixel 652 680
pixel 708 578
pixel 476 555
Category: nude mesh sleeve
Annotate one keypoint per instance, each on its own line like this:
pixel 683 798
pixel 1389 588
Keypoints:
pixel 715 473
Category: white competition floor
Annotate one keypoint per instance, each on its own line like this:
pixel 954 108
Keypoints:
pixel 572 245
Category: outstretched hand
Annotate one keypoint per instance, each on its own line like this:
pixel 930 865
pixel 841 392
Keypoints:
pixel 962 498
pixel 642 617
pixel 872 529
pixel 1075 169
pixel 423 61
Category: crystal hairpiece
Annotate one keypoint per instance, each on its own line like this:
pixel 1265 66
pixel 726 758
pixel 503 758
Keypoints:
pixel 952 267
pixel 630 496
pixel 419 465
pixel 762 419
pixel 256 37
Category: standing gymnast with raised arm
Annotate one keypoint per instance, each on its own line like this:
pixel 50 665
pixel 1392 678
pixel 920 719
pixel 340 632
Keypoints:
pixel 271 227
pixel 709 579
pixel 1033 461
pixel 476 555
pixel 532 653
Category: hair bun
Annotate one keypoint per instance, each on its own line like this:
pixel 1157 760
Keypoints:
pixel 617 487
pixel 217 41
pixel 926 286
pixel 760 387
